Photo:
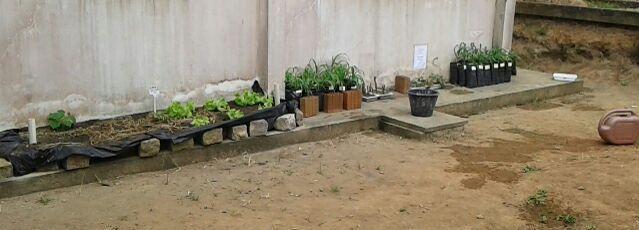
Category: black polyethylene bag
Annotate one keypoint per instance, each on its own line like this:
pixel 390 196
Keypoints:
pixel 453 73
pixel 471 77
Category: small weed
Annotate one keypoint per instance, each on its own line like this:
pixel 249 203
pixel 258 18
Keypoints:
pixel 44 200
pixel 591 227
pixel 539 198
pixel 335 189
pixel 601 4
pixel 567 219
pixel 624 83
pixel 541 31
pixel 543 219
pixel 192 196
pixel 288 172
pixel 529 169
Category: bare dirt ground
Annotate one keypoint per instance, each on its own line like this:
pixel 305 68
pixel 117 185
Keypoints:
pixel 482 178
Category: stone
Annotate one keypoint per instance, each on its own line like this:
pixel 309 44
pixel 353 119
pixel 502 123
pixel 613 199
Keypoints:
pixel 239 132
pixel 149 148
pixel 258 128
pixel 74 162
pixel 479 217
pixel 187 144
pixel 212 137
pixel 299 117
pixel 6 169
pixel 285 122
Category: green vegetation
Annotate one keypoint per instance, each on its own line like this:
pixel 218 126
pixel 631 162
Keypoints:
pixel 335 189
pixel 178 111
pixel 219 105
pixel 529 169
pixel 472 54
pixel 61 121
pixel 539 198
pixel 200 121
pixel 44 200
pixel 330 76
pixel 567 219
pixel 234 114
pixel 250 98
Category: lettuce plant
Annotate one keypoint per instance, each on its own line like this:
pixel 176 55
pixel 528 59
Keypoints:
pixel 219 105
pixel 200 121
pixel 61 121
pixel 234 114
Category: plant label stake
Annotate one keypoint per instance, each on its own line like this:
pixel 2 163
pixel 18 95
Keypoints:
pixel 155 92
pixel 276 94
pixel 32 132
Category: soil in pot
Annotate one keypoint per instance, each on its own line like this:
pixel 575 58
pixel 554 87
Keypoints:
pixel 333 102
pixel 309 105
pixel 471 77
pixel 422 102
pixel 352 99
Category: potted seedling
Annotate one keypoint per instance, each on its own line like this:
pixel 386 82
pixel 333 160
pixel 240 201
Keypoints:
pixel 335 73
pixel 423 100
pixel 352 95
pixel 472 80
pixel 458 74
pixel 512 56
pixel 304 83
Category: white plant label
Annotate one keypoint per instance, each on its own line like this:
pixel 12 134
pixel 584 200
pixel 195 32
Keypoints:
pixel 464 67
pixel 487 67
pixel 510 64
pixel 155 92
pixel 420 57
pixel 502 65
pixel 473 68
pixel 481 67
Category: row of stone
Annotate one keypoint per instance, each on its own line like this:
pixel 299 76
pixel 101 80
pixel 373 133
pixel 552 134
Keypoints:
pixel 287 122
pixel 151 147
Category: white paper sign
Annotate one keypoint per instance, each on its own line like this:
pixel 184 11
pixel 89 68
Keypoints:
pixel 420 57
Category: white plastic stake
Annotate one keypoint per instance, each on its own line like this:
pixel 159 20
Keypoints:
pixel 32 132
pixel 155 92
pixel 276 93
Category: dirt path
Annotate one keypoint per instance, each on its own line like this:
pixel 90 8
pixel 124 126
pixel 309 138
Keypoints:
pixel 472 180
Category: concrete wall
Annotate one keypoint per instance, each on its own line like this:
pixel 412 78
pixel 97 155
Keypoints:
pixel 378 36
pixel 98 58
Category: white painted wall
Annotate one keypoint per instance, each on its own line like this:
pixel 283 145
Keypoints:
pixel 97 58
pixel 377 35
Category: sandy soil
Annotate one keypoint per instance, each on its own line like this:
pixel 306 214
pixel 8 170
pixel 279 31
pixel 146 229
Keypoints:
pixel 469 180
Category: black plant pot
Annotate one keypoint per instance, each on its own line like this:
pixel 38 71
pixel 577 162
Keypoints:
pixel 321 100
pixel 484 76
pixel 494 74
pixel 472 80
pixel 488 79
pixel 461 74
pixel 453 73
pixel 514 69
pixel 422 102
pixel 508 73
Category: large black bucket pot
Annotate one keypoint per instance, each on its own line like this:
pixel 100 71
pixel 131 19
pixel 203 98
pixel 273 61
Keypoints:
pixel 422 102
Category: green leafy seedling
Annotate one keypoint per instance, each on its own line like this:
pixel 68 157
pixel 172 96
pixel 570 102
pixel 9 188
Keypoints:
pixel 44 200
pixel 234 114
pixel 335 189
pixel 61 121
pixel 539 198
pixel 200 121
pixel 219 105
pixel 567 219
pixel 178 111
pixel 247 98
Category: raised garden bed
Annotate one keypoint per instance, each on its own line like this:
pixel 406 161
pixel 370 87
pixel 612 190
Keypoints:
pixel 178 127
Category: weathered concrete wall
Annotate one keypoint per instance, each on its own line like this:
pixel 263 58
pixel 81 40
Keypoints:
pixel 378 36
pixel 98 58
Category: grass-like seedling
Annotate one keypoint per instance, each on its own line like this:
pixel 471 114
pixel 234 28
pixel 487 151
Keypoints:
pixel 567 219
pixel 529 169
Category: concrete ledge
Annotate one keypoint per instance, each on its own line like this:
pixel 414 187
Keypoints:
pixel 609 16
pixel 528 87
